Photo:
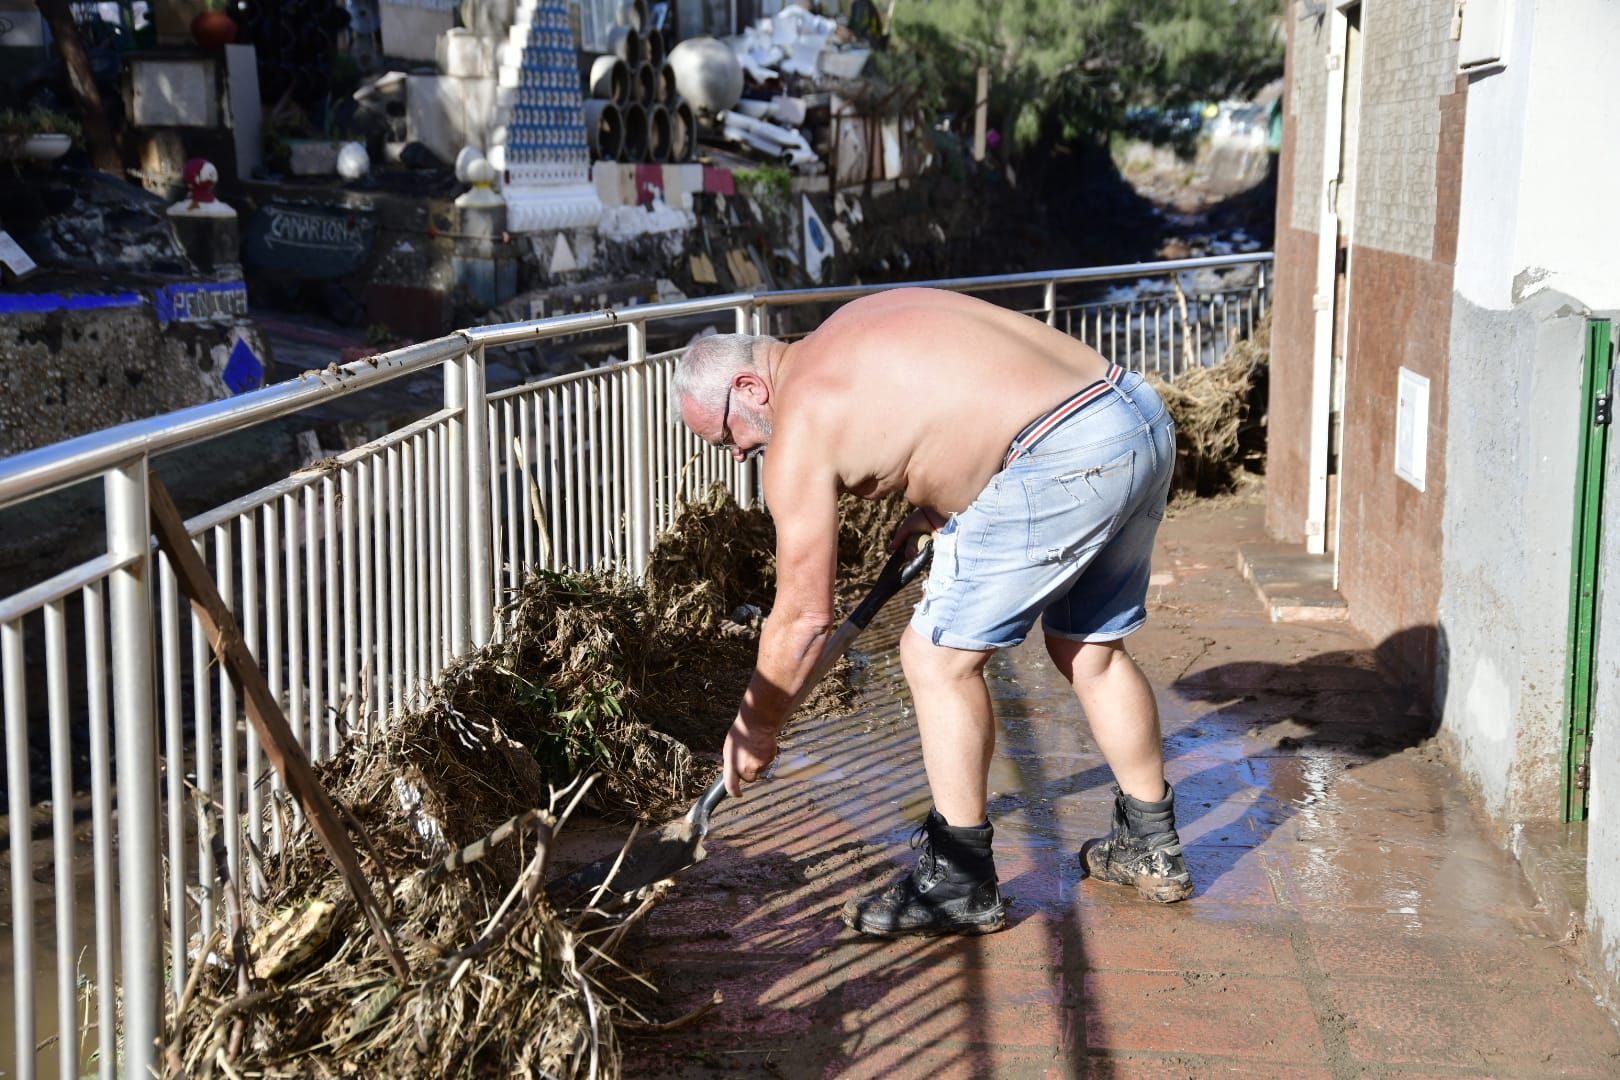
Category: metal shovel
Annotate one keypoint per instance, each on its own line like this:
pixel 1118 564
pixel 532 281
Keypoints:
pixel 672 847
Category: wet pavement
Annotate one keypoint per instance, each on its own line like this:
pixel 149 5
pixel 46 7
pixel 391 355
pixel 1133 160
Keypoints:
pixel 1354 916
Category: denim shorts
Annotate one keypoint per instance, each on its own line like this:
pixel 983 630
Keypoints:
pixel 1065 532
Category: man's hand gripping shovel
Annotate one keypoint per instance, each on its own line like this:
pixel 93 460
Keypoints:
pixel 671 848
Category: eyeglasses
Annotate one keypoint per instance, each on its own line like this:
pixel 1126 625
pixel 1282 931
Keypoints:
pixel 726 441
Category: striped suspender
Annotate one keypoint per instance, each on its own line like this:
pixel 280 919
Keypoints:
pixel 1045 425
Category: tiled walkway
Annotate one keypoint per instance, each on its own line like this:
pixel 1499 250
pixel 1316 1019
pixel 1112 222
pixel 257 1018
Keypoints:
pixel 1353 915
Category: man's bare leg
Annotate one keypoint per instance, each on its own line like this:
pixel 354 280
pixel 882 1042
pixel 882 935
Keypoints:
pixel 1144 849
pixel 1118 702
pixel 955 723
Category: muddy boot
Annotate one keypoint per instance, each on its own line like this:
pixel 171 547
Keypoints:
pixel 951 890
pixel 1143 850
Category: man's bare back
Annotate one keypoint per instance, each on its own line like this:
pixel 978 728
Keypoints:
pixel 920 391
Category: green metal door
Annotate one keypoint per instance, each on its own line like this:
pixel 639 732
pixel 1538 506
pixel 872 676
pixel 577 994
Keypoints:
pixel 1597 406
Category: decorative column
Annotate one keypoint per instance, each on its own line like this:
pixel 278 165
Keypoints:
pixel 538 145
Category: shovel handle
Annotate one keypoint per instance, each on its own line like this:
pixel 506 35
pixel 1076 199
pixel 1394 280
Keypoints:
pixel 699 814
pixel 897 573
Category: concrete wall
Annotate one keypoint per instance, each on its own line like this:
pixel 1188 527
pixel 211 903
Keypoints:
pixel 1537 229
pixel 1407 154
pixel 1514 395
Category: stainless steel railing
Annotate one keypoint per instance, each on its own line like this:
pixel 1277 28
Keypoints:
pixel 355 583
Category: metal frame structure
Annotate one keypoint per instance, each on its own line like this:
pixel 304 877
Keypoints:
pixel 356 582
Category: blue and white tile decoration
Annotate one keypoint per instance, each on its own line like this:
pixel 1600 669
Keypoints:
pixel 542 153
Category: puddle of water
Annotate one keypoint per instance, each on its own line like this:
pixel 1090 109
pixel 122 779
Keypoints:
pixel 46 958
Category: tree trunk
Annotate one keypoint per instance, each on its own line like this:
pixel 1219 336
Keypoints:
pixel 98 135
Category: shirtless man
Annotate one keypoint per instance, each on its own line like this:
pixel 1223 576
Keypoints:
pixel 1042 472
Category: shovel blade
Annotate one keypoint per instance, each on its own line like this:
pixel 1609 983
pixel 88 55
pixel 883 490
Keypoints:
pixel 652 856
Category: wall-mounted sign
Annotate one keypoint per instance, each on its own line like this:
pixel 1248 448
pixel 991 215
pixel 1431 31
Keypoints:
pixel 200 300
pixel 310 241
pixel 244 370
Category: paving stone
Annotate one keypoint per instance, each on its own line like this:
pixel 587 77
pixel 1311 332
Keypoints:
pixel 1352 915
pixel 1225 1015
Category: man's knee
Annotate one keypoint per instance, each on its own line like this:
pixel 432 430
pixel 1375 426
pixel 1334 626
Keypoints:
pixel 922 659
pixel 1084 659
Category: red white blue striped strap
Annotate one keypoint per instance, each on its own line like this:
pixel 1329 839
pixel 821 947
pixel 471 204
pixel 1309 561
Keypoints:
pixel 1044 425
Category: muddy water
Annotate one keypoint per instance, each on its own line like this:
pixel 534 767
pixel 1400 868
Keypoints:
pixel 47 957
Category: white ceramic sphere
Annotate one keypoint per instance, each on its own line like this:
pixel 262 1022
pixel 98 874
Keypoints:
pixel 352 161
pixel 707 74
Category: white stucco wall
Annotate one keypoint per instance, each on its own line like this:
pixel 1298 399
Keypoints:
pixel 1538 160
pixel 1569 217
pixel 1538 230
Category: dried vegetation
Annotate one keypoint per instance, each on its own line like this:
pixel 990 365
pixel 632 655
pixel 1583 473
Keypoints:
pixel 458 806
pixel 1219 413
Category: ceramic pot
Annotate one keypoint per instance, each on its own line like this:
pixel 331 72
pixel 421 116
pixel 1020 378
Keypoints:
pixel 34 147
pixel 213 29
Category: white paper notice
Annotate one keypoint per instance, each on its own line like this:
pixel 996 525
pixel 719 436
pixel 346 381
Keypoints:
pixel 13 256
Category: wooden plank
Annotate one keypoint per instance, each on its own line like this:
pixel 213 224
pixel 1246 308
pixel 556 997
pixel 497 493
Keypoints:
pixel 280 745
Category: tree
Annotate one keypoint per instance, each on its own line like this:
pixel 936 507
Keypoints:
pixel 98 135
pixel 1063 68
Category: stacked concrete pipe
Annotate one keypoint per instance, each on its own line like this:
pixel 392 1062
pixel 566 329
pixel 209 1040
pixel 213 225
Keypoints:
pixel 604 130
pixel 644 84
pixel 682 132
pixel 635 112
pixel 635 133
pixel 610 80
pixel 625 42
pixel 658 135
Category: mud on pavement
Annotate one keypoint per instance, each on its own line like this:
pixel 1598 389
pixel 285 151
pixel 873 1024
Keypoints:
pixel 1352 916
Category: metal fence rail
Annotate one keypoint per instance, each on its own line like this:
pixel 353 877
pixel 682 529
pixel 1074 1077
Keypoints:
pixel 356 582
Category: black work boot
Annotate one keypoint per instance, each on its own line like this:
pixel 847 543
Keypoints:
pixel 951 890
pixel 1143 850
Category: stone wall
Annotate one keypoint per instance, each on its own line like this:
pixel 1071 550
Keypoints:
pixel 1410 64
pixel 69 372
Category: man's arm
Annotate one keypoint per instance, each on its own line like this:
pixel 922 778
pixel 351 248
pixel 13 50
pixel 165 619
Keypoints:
pixel 802 490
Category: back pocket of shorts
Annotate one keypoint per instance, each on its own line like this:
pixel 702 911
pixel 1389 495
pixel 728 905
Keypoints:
pixel 1074 513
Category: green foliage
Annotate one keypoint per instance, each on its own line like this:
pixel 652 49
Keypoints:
pixel 1066 69
pixel 37 121
pixel 765 182
pixel 570 735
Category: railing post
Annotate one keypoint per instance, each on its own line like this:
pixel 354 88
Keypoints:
pixel 640 466
pixel 455 397
pixel 129 536
pixel 1051 302
pixel 480 555
pixel 745 470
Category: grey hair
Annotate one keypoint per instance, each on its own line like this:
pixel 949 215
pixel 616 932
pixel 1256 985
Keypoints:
pixel 705 372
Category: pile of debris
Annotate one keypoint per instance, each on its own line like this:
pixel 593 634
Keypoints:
pixel 1220 415
pixel 774 91
pixel 459 806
